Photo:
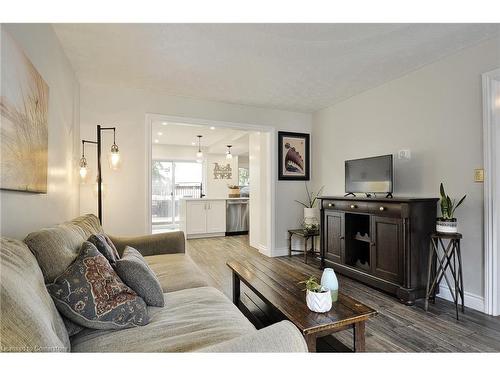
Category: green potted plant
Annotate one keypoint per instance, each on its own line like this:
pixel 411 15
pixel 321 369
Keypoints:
pixel 318 297
pixel 447 223
pixel 311 214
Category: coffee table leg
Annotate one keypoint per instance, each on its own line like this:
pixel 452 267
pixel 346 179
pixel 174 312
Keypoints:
pixel 311 343
pixel 359 337
pixel 236 289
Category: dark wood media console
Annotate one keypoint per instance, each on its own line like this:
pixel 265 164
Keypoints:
pixel 382 242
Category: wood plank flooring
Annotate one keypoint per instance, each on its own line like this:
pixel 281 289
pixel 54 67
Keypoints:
pixel 397 328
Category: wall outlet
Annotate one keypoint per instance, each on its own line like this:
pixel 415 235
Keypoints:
pixel 404 154
pixel 479 175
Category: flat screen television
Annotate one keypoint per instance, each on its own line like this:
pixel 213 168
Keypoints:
pixel 369 175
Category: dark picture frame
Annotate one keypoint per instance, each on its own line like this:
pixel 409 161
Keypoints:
pixel 293 156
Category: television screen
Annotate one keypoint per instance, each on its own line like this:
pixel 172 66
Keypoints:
pixel 369 175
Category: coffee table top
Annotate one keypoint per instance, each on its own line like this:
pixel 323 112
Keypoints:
pixel 277 284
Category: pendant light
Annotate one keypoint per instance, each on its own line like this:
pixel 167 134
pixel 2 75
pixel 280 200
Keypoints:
pixel 199 154
pixel 229 156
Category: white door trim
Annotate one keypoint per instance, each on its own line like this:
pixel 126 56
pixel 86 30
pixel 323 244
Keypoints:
pixel 272 170
pixel 491 145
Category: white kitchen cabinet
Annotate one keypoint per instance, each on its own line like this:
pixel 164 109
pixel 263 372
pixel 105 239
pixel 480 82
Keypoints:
pixel 204 218
pixel 216 217
pixel 196 217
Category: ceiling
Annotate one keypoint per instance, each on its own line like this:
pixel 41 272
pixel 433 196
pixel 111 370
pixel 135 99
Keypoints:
pixel 214 140
pixel 300 67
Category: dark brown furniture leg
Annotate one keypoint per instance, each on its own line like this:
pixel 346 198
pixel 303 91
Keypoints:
pixel 305 249
pixel 289 244
pixel 359 336
pixel 311 343
pixel 429 270
pixel 236 289
pixel 460 275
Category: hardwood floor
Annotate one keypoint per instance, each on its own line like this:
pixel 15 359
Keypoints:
pixel 397 328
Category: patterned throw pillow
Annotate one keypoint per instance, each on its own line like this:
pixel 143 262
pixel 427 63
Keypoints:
pixel 135 272
pixel 105 247
pixel 92 295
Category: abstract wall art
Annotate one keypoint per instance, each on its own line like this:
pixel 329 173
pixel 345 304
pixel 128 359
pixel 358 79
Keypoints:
pixel 24 106
pixel 293 156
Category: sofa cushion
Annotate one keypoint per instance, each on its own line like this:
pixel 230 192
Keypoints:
pixel 56 248
pixel 91 294
pixel 102 243
pixel 29 320
pixel 176 272
pixel 191 320
pixel 135 272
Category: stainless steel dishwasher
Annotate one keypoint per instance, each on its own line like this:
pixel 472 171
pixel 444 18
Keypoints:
pixel 236 216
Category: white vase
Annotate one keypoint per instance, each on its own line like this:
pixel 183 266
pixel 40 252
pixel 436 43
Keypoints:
pixel 311 215
pixel 329 280
pixel 319 302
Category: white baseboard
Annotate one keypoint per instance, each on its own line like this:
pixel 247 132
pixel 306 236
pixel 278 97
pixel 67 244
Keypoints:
pixel 280 252
pixel 263 250
pixel 472 301
pixel 205 235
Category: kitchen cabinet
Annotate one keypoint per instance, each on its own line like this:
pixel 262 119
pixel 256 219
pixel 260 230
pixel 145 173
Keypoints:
pixel 203 218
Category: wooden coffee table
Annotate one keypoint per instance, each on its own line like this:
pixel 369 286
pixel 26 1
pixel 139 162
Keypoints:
pixel 276 284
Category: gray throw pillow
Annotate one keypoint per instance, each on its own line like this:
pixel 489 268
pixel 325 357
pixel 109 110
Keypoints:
pixel 91 294
pixel 135 272
pixel 105 247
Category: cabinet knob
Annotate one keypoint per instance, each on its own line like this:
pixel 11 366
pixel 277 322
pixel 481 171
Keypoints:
pixel 382 208
pixel 341 237
pixel 353 206
pixel 331 205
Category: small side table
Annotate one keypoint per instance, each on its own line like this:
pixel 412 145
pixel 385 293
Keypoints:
pixel 306 235
pixel 449 258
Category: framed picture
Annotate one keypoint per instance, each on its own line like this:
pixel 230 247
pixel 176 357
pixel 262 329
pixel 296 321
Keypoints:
pixel 293 156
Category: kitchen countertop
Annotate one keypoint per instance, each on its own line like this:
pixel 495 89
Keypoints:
pixel 214 199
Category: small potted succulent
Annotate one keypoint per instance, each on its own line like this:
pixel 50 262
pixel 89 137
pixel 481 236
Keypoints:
pixel 318 298
pixel 447 223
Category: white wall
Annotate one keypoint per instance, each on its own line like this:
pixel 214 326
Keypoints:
pixel 259 192
pixel 125 205
pixel 22 213
pixel 217 188
pixel 243 161
pixel 437 113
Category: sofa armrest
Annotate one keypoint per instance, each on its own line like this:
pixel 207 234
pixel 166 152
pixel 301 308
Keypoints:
pixel 152 244
pixel 281 337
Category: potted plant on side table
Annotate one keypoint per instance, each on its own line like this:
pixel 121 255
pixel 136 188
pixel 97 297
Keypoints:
pixel 447 223
pixel 318 297
pixel 311 212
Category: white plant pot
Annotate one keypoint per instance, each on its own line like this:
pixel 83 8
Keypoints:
pixel 446 226
pixel 311 215
pixel 319 302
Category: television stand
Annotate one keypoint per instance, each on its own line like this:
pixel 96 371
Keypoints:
pixel 349 194
pixel 381 242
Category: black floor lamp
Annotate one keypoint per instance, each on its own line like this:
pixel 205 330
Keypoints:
pixel 114 163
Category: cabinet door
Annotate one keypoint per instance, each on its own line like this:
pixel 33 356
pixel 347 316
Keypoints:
pixel 334 236
pixel 216 216
pixel 196 217
pixel 387 248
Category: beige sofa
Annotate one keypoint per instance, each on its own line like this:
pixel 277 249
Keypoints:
pixel 196 316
